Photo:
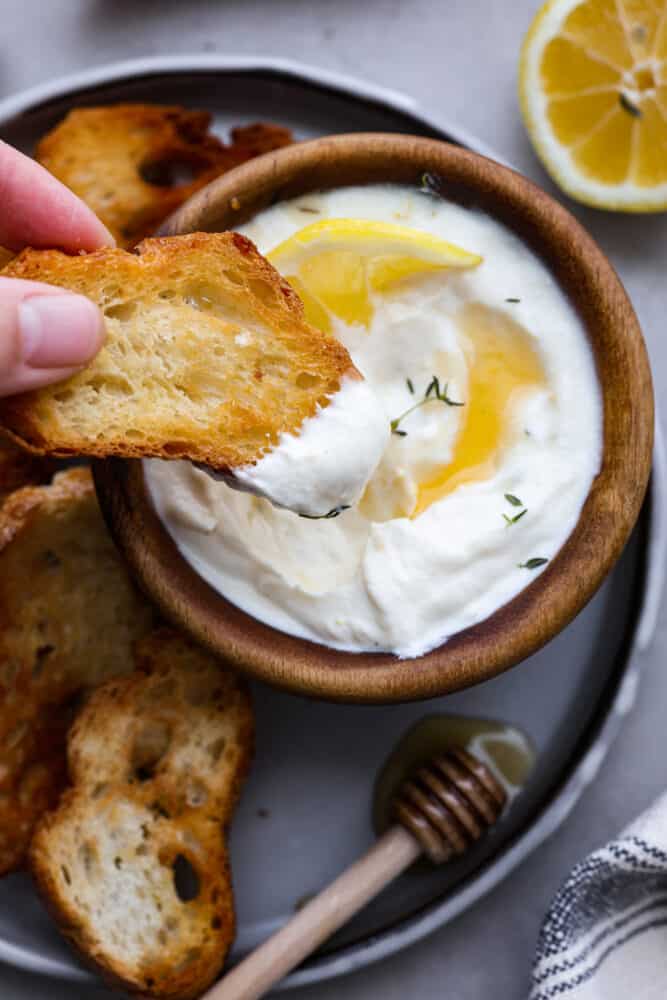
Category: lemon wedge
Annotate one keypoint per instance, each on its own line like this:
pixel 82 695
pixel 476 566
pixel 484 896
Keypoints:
pixel 336 265
pixel 593 94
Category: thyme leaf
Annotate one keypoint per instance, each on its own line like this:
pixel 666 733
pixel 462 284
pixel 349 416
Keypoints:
pixel 533 563
pixel 434 393
pixel 334 512
pixel 517 517
pixel 430 184
pixel 309 209
pixel 513 500
pixel 512 300
pixel 438 393
pixel 410 385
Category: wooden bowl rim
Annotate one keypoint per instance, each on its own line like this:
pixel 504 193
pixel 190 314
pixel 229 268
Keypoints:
pixel 549 602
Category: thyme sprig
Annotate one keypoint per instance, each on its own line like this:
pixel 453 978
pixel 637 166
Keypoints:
pixel 533 563
pixel 516 502
pixel 431 185
pixel 434 393
pixel 517 517
pixel 334 512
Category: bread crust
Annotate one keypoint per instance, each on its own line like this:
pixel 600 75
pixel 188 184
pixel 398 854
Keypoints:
pixel 135 164
pixel 19 467
pixel 208 356
pixel 68 617
pixel 143 765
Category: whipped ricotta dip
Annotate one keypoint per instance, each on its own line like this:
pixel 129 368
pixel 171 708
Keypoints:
pixel 315 472
pixel 493 419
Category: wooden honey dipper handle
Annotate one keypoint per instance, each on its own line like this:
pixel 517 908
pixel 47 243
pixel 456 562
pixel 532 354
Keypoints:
pixel 443 809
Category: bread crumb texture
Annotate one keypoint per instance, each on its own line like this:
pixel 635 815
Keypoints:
pixel 133 864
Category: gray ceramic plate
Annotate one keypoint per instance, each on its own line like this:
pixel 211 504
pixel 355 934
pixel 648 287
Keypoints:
pixel 305 813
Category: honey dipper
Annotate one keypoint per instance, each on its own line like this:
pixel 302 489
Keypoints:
pixel 441 810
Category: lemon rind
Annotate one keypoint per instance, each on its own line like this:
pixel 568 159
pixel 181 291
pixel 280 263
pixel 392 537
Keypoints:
pixel 352 234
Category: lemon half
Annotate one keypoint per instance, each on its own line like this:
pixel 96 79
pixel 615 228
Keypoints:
pixel 336 265
pixel 593 94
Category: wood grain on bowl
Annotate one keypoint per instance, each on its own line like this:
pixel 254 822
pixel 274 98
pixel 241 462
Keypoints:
pixel 540 611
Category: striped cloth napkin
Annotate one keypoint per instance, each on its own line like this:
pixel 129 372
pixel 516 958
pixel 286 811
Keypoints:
pixel 605 935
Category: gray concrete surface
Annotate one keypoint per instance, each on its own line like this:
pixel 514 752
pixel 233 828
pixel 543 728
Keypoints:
pixel 458 56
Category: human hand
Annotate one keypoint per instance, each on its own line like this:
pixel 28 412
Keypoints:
pixel 46 333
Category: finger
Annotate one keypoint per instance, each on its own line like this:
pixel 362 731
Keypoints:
pixel 37 210
pixel 46 334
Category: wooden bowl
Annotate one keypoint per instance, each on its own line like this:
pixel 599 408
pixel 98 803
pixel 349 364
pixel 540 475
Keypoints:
pixel 551 601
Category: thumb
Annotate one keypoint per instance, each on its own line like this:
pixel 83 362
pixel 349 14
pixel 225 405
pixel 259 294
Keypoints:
pixel 46 334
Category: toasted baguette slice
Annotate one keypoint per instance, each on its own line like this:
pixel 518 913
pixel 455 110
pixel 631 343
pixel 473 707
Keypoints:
pixel 68 617
pixel 133 864
pixel 19 467
pixel 134 164
pixel 5 256
pixel 207 357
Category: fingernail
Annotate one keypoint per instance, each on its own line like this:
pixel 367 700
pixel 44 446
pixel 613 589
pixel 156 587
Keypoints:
pixel 109 238
pixel 59 330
